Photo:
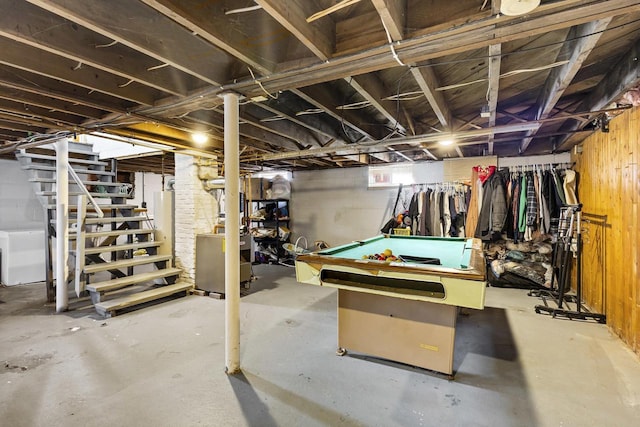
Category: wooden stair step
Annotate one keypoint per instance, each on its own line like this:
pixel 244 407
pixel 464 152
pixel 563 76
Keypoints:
pixel 109 308
pixel 123 247
pixel 53 180
pixel 73 160
pixel 112 233
pixel 110 219
pixel 36 166
pixel 80 193
pixel 139 260
pixel 107 219
pixel 103 207
pixel 125 232
pixel 115 284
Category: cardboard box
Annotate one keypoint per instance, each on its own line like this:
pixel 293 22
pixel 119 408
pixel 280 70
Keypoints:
pixel 256 188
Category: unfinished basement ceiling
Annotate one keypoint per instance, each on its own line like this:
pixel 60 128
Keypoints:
pixel 324 83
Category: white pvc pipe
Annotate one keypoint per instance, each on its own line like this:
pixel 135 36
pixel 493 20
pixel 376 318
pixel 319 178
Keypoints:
pixel 62 224
pixel 232 233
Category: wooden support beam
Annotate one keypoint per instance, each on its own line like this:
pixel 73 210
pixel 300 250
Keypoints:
pixel 43 30
pixel 580 42
pixel 162 38
pixel 463 38
pixel 249 128
pixel 318 36
pixel 329 102
pixel 394 15
pixel 41 85
pixel 624 76
pixel 208 20
pixel 234 42
pixel 427 80
pixel 495 64
pixel 372 90
pixel 49 103
pixel 423 141
pixel 495 59
pixel 45 115
pixel 30 59
pixel 289 115
pixel 8 123
pixel 424 46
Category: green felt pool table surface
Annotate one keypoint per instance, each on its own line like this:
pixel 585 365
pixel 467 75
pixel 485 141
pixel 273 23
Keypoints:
pixel 452 252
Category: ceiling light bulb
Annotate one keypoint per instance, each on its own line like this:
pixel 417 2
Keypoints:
pixel 199 137
pixel 446 142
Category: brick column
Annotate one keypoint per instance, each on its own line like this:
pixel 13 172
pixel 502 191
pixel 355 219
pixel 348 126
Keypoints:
pixel 195 213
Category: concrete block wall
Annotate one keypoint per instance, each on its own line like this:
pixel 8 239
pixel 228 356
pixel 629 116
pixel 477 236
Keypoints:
pixel 195 213
pixel 19 207
pixel 336 206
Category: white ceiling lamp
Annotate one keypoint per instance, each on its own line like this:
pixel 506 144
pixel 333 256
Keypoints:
pixel 199 138
pixel 518 7
pixel 446 142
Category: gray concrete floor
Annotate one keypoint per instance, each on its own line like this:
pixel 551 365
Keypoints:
pixel 164 366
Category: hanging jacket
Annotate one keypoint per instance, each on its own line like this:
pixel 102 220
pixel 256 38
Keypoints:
pixel 493 212
pixel 549 195
pixel 532 202
pixel 522 206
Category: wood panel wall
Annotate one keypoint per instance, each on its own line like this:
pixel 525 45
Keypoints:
pixel 608 189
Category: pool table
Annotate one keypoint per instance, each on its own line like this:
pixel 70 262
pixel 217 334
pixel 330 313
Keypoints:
pixel 403 309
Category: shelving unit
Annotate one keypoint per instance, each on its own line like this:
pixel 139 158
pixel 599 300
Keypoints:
pixel 268 222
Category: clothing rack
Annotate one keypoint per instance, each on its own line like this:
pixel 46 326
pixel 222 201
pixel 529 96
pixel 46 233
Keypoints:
pixel 539 166
pixel 568 242
pixel 443 184
pixel 450 220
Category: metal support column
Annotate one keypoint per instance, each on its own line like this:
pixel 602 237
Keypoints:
pixel 232 232
pixel 62 224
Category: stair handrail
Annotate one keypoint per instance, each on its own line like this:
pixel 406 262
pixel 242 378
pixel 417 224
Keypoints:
pixel 84 189
pixel 80 279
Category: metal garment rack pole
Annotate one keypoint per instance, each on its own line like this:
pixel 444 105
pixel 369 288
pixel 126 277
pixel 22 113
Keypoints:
pixel 560 297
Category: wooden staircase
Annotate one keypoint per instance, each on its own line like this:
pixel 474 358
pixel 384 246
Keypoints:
pixel 118 262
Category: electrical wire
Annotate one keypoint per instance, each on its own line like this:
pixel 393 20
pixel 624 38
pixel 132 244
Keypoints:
pixel 260 84
pixel 157 67
pixel 393 50
pixel 113 43
pixel 507 74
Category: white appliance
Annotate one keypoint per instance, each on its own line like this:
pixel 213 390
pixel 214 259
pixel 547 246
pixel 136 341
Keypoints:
pixel 22 256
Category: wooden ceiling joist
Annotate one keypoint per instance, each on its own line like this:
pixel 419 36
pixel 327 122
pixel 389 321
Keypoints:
pixel 580 42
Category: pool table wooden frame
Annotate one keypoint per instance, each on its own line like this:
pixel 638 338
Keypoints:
pixel 411 326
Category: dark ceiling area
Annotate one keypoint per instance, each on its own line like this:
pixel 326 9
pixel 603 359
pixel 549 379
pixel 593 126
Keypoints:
pixel 322 83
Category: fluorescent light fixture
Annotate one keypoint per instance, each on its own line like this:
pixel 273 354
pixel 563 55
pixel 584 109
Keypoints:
pixel 199 138
pixel 446 142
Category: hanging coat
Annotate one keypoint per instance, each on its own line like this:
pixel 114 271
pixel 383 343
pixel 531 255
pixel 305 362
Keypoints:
pixel 493 212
